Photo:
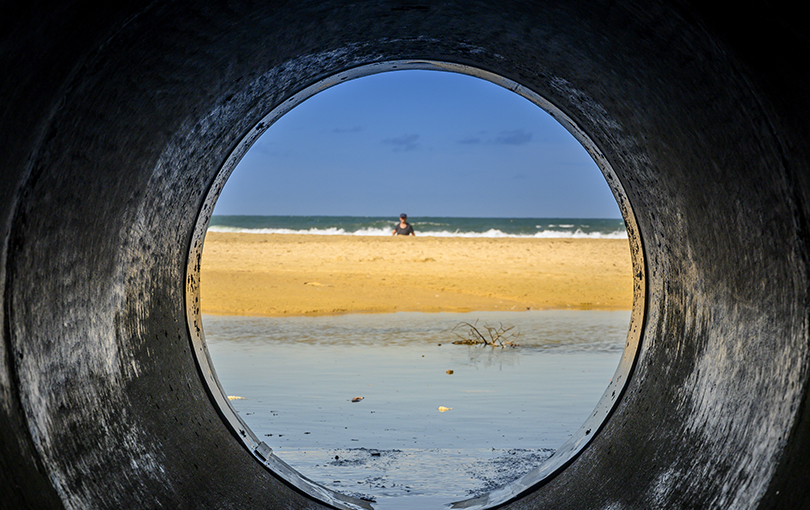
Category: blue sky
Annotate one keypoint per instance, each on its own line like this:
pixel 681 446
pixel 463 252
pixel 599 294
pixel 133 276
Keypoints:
pixel 429 143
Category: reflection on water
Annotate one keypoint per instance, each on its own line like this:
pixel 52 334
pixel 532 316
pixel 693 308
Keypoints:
pixel 565 330
pixel 508 406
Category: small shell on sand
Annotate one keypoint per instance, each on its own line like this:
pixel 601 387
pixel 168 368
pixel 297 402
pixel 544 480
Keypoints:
pixel 357 399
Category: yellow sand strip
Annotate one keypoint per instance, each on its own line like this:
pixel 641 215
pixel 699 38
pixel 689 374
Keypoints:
pixel 285 275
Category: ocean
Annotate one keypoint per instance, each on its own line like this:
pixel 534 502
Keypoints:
pixel 437 422
pixel 424 226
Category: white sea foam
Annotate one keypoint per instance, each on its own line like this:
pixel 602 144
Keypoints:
pixel 332 231
pixel 491 233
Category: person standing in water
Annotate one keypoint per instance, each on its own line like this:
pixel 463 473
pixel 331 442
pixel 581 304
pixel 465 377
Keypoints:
pixel 403 228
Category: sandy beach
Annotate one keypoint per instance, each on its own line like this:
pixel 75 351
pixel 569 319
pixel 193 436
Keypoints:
pixel 285 275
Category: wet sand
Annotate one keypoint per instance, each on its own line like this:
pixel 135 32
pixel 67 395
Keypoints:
pixel 288 275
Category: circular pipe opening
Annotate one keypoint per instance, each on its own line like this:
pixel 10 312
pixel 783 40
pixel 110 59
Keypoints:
pixel 566 452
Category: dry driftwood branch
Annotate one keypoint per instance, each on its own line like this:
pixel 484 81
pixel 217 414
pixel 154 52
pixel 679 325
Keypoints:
pixel 495 337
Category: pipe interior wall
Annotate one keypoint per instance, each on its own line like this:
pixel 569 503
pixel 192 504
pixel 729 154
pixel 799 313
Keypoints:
pixel 116 121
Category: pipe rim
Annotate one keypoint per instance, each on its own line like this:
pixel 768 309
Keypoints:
pixel 568 451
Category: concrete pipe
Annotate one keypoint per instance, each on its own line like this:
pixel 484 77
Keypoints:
pixel 119 123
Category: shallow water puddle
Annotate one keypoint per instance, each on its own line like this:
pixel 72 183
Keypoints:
pixel 505 409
